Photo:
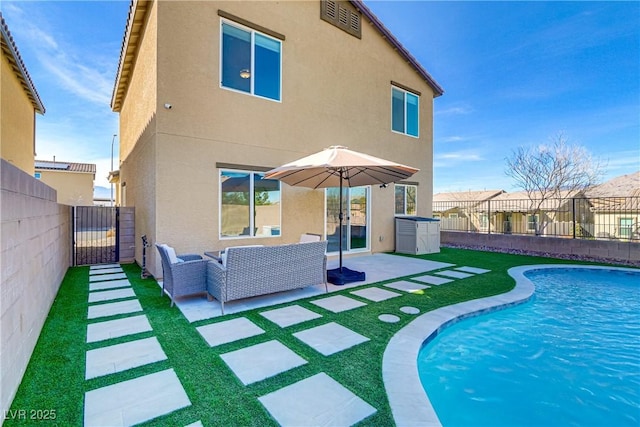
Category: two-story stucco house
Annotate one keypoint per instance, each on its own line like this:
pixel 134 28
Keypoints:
pixel 19 103
pixel 212 94
pixel 72 181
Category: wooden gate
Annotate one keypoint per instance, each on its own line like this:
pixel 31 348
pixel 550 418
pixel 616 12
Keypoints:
pixel 102 235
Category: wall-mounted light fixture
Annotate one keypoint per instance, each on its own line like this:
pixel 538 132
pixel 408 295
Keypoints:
pixel 383 185
pixel 245 74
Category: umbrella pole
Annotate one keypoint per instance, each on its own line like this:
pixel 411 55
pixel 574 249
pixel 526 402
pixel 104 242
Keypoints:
pixel 340 217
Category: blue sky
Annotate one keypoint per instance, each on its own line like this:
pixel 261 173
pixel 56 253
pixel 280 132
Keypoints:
pixel 514 74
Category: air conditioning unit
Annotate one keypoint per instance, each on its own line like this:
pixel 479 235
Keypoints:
pixel 417 235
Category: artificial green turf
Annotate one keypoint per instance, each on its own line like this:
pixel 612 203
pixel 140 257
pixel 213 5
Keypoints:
pixel 54 379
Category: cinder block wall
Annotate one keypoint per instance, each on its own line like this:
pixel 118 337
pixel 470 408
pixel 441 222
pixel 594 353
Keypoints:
pixel 35 254
pixel 614 251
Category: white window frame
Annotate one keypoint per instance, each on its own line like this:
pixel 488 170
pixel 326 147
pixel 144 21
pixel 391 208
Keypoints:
pixel 251 207
pixel 405 92
pixel 405 199
pixel 484 221
pixel 252 32
pixel 629 228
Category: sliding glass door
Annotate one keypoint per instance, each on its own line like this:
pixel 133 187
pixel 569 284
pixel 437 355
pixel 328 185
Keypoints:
pixel 355 221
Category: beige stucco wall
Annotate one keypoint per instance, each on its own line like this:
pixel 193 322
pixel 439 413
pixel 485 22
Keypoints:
pixel 335 91
pixel 73 188
pixel 34 257
pixel 17 121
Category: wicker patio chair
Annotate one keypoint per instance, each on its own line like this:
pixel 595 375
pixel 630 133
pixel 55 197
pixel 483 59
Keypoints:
pixel 186 276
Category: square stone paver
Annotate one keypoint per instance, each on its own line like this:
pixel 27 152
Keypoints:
pixel 117 328
pixel 135 401
pixel 375 294
pixel 120 357
pixel 229 331
pixel 114 308
pixel 432 280
pixel 407 286
pixel 338 303
pixel 105 271
pixel 454 274
pixel 291 315
pixel 103 266
pixel 318 400
pixel 473 270
pixel 110 295
pixel 330 338
pixel 109 284
pixel 260 361
pixel 102 277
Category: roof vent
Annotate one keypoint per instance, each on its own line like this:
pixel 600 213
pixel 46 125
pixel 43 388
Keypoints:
pixel 342 15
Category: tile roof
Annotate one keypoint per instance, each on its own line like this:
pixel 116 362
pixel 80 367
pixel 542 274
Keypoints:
pixel 620 186
pixel 13 56
pixel 65 166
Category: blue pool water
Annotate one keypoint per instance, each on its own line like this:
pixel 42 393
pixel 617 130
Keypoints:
pixel 568 357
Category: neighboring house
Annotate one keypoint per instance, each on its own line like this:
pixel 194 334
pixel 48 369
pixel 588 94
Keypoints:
pixel 465 210
pixel 19 103
pixel 616 207
pixel 72 181
pixel 521 213
pixel 212 94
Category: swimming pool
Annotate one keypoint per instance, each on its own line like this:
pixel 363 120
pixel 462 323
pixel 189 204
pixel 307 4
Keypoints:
pixel 569 356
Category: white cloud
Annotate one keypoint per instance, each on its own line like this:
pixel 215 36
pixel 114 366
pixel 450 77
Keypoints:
pixel 454 110
pixel 92 82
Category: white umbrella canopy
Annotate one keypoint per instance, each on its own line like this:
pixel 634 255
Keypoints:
pixel 338 166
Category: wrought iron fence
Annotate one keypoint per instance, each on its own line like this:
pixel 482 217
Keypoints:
pixel 611 218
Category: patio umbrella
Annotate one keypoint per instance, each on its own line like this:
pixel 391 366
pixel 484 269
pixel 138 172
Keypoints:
pixel 338 166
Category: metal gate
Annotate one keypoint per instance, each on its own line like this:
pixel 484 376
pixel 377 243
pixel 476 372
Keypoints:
pixel 96 235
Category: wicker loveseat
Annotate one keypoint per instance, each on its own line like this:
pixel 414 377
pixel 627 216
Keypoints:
pixel 252 271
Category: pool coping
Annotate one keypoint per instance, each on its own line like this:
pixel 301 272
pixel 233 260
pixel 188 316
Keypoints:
pixel 410 404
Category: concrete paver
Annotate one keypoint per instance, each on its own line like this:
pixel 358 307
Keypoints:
pixel 260 361
pixel 375 294
pixel 135 401
pixel 106 271
pixel 473 270
pixel 103 266
pixel 318 400
pixel 228 331
pixel 113 308
pixel 109 284
pixel 111 295
pixel 338 303
pixel 117 328
pixel 288 316
pixel 432 280
pixel 406 286
pixel 454 274
pixel 103 277
pixel 330 338
pixel 120 357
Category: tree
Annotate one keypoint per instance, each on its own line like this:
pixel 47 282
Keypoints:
pixel 551 174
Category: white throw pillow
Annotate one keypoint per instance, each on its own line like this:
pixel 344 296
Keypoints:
pixel 173 258
pixel 223 255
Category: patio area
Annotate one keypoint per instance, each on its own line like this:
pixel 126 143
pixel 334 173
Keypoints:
pixel 301 357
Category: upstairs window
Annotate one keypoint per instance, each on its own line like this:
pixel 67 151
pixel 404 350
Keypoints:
pixel 251 62
pixel 405 196
pixel 404 112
